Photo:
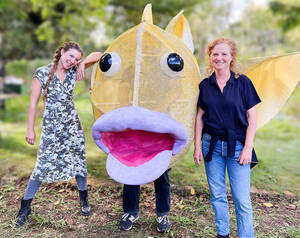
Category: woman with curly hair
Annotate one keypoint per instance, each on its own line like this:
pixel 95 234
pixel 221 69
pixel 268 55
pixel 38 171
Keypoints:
pixel 225 126
pixel 61 154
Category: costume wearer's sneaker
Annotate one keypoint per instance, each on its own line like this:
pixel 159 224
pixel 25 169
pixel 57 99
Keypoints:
pixel 127 221
pixel 220 236
pixel 163 224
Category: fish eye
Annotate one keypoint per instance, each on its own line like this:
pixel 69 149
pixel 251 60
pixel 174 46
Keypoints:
pixel 171 64
pixel 175 62
pixel 110 63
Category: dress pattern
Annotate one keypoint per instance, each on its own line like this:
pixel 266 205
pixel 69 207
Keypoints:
pixel 61 154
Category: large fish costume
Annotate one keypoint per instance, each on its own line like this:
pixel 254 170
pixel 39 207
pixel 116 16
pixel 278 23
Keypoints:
pixel 144 92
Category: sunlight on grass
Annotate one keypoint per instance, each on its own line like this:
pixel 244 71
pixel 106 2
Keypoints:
pixel 277 146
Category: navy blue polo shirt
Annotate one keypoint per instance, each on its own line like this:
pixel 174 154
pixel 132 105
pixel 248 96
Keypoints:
pixel 227 111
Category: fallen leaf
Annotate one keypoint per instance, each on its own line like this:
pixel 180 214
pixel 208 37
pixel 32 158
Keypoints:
pixel 286 224
pixel 289 194
pixel 192 191
pixel 56 203
pixel 81 225
pixel 69 221
pixel 61 190
pixel 267 204
pixel 181 206
pixel 144 194
pixel 292 207
pixel 254 190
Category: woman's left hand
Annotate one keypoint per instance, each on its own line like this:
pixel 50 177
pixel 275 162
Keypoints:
pixel 80 71
pixel 245 156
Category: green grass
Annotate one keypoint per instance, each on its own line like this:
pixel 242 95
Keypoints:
pixel 277 146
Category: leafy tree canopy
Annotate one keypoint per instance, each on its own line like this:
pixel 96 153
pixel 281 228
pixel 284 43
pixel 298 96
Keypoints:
pixel 31 28
pixel 121 15
pixel 289 14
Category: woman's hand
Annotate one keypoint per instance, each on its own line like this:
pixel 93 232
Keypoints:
pixel 30 136
pixel 80 71
pixel 245 156
pixel 198 156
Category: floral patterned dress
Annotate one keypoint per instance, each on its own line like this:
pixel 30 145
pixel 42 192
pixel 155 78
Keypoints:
pixel 61 155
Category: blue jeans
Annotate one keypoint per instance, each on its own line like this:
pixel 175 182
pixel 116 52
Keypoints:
pixel 239 178
pixel 131 196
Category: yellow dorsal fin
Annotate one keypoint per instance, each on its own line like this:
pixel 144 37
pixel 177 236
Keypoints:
pixel 147 14
pixel 180 27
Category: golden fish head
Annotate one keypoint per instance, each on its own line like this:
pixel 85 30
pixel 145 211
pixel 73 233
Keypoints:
pixel 150 75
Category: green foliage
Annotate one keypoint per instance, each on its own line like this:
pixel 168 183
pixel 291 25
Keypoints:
pixel 289 14
pixel 24 69
pixel 257 33
pixel 124 14
pixel 67 20
pixel 31 28
pixel 206 27
pixel 17 68
pixel 16 30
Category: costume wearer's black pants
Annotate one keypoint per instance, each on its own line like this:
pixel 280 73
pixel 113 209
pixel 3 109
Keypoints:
pixel 131 196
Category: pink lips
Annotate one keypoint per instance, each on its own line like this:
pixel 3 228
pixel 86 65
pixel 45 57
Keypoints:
pixel 136 147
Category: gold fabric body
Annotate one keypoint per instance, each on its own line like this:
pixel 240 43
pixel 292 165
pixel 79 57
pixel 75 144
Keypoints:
pixel 141 81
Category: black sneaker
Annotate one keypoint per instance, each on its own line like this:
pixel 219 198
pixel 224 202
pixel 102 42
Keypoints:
pixel 127 221
pixel 220 236
pixel 163 224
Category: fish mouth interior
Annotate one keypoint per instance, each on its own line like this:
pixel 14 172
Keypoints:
pixel 136 147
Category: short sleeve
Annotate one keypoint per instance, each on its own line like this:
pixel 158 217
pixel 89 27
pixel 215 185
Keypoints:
pixel 200 102
pixel 42 75
pixel 251 97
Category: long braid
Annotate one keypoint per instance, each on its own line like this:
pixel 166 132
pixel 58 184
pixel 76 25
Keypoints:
pixel 56 57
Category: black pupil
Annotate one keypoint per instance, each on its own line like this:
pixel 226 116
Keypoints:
pixel 175 62
pixel 105 62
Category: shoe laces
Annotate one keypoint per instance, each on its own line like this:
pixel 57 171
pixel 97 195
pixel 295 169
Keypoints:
pixel 128 216
pixel 163 219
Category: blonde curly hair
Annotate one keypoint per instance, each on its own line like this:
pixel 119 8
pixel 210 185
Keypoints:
pixel 234 66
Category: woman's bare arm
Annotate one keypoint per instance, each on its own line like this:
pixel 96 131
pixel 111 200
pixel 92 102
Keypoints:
pixel 35 92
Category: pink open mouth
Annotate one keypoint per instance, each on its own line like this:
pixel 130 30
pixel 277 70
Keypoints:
pixel 139 143
pixel 136 147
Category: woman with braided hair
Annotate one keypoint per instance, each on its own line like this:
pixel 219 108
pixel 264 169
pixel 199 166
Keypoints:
pixel 61 153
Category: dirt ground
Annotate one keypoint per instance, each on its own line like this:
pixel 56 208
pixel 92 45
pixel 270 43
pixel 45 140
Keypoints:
pixel 55 212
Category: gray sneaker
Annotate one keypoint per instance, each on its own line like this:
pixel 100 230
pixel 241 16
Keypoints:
pixel 127 221
pixel 163 224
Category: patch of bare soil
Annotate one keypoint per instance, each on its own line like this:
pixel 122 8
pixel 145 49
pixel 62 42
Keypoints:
pixel 55 212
